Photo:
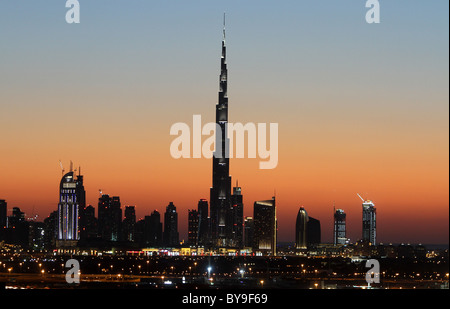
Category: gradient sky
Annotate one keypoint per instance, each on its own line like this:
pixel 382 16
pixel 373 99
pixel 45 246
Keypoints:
pixel 361 108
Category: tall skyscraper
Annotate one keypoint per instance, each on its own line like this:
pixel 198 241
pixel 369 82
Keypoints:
pixel 313 232
pixel 340 229
pixel 307 230
pixel 104 217
pixel 248 232
pixel 170 235
pixel 109 218
pixel 153 229
pixel 129 223
pixel 193 219
pixel 68 210
pixel 220 192
pixel 301 229
pixel 3 214
pixel 369 222
pixel 90 223
pixel 235 219
pixel 50 230
pixel 203 223
pixel 116 219
pixel 265 227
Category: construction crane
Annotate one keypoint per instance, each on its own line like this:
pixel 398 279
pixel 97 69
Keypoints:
pixel 361 197
pixel 62 167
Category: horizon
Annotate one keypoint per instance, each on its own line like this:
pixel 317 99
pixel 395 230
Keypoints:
pixel 361 108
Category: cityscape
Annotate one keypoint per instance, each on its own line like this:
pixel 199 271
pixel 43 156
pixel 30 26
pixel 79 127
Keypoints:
pixel 228 240
pixel 115 246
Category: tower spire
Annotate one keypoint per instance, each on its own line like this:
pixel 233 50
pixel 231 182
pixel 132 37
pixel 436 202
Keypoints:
pixel 224 19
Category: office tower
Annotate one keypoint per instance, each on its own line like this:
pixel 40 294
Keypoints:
pixel 203 222
pixel 369 222
pixel 109 218
pixel 235 216
pixel 19 228
pixel 68 211
pixel 90 222
pixel 129 223
pixel 116 219
pixel 193 220
pixel 265 227
pixel 50 230
pixel 307 230
pixel 81 200
pixel 340 229
pixel 301 229
pixel 220 192
pixel 104 217
pixel 36 240
pixel 170 235
pixel 153 230
pixel 313 232
pixel 3 214
pixel 248 232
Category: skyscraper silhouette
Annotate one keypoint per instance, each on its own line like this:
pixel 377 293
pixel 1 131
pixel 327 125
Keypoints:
pixel 70 191
pixel 170 234
pixel 220 192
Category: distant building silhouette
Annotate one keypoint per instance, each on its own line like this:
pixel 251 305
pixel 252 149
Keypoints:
pixel 203 223
pixel 220 192
pixel 248 232
pixel 265 227
pixel 193 219
pixel 235 222
pixel 369 222
pixel 50 230
pixel 109 218
pixel 170 235
pixel 307 230
pixel 129 223
pixel 3 214
pixel 68 210
pixel 313 232
pixel 301 229
pixel 340 227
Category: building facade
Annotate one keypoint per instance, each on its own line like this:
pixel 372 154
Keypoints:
pixel 265 227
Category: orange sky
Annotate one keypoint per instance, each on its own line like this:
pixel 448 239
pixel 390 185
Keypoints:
pixel 361 108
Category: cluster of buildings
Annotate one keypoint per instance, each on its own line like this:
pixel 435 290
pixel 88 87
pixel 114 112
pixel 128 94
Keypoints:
pixel 214 225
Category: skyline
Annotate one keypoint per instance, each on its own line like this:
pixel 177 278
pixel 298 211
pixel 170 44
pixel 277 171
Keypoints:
pixel 327 154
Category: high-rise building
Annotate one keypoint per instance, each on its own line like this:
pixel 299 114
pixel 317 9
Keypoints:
pixel 153 229
pixel 116 219
pixel 129 223
pixel 235 219
pixel 265 227
pixel 90 223
pixel 170 235
pixel 307 230
pixel 248 232
pixel 220 192
pixel 203 223
pixel 301 226
pixel 3 214
pixel 313 232
pixel 109 218
pixel 68 210
pixel 193 219
pixel 369 222
pixel 340 229
pixel 50 230
pixel 19 228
